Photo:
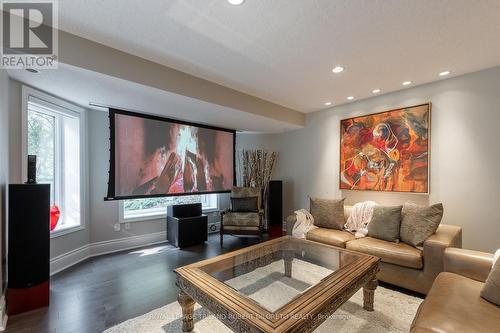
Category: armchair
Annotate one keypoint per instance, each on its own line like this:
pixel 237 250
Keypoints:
pixel 243 223
pixel 454 303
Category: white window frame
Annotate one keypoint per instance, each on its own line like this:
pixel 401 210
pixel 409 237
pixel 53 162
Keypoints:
pixel 160 214
pixel 211 203
pixel 65 108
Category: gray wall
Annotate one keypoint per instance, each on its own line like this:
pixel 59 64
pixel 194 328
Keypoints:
pixel 4 164
pixel 104 214
pixel 258 141
pixel 101 216
pixel 58 245
pixel 465 154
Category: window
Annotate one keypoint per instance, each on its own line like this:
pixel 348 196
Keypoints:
pixel 151 208
pixel 53 134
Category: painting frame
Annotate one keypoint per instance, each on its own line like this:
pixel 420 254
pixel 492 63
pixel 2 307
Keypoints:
pixel 428 105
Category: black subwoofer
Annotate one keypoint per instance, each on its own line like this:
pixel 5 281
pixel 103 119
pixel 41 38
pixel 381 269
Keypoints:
pixel 186 225
pixel 185 210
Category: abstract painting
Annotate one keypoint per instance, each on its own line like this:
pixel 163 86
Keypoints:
pixel 387 151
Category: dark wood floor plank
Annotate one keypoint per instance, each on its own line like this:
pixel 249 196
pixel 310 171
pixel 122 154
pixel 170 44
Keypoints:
pixel 104 291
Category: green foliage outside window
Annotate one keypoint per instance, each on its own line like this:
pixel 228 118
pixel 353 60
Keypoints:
pixel 152 203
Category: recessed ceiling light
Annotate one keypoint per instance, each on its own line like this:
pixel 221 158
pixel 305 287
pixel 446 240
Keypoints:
pixel 236 2
pixel 375 91
pixel 444 73
pixel 350 97
pixel 338 69
pixel 328 103
pixel 406 83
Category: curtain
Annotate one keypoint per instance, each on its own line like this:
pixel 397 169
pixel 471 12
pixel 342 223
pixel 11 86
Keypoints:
pixel 255 169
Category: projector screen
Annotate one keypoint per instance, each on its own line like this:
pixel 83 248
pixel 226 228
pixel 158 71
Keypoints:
pixel 153 157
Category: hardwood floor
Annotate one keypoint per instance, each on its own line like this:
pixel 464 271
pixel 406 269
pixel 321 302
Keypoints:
pixel 104 291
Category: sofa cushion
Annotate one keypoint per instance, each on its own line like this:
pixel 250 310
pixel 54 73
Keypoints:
pixel 330 236
pixel 244 205
pixel 241 219
pixel 419 222
pixel 392 253
pixel 244 192
pixel 237 228
pixel 385 223
pixel 453 305
pixel 327 213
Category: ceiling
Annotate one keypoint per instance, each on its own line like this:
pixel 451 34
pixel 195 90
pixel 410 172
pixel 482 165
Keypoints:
pixel 84 87
pixel 283 50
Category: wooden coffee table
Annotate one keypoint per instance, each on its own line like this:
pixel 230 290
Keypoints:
pixel 282 285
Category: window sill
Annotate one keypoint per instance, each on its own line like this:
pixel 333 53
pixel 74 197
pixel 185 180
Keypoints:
pixel 65 231
pixel 143 218
pixel 210 210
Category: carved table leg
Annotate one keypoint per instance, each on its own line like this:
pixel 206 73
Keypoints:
pixel 288 258
pixel 288 268
pixel 187 304
pixel 369 294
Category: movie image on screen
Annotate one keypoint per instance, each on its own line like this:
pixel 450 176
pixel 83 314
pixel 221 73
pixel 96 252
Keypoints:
pixel 153 156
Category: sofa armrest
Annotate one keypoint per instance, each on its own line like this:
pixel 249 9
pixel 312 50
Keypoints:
pixel 290 222
pixel 475 265
pixel 445 236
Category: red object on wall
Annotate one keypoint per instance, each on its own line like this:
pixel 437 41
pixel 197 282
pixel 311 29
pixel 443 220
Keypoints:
pixel 55 214
pixel 27 299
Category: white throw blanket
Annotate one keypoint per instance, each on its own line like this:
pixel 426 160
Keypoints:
pixel 361 215
pixel 305 223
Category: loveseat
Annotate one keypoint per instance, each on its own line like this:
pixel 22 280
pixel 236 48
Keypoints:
pixel 401 264
pixel 454 304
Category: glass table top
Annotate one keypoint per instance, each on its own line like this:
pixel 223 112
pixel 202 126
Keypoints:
pixel 275 274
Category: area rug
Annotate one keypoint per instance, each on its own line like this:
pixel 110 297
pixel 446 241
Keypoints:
pixel 394 311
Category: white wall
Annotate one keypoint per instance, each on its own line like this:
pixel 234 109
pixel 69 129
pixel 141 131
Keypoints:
pixel 465 154
pixel 4 171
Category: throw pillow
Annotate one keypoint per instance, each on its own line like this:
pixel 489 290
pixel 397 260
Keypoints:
pixel 491 288
pixel 419 222
pixel 244 205
pixel 327 213
pixel 385 223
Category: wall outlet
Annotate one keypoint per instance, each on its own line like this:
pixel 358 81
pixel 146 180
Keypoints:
pixel 127 226
pixel 117 227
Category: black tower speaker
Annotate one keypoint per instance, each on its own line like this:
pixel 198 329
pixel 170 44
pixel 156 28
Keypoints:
pixel 28 247
pixel 275 202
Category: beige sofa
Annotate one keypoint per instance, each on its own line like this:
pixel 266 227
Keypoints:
pixel 454 304
pixel 401 264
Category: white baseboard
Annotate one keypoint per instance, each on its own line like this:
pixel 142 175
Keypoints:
pixel 71 258
pixel 121 244
pixel 3 314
